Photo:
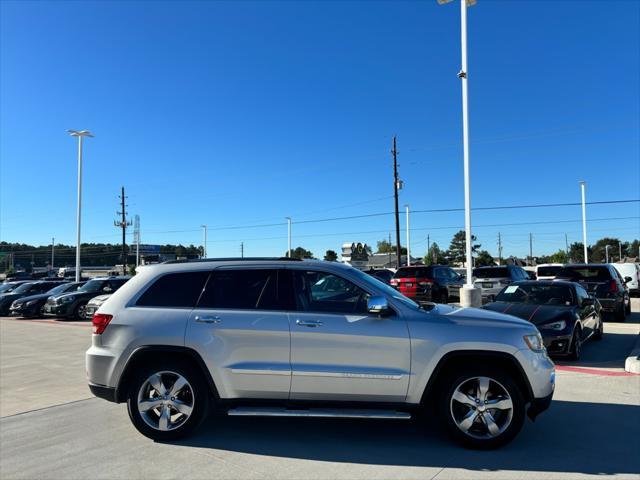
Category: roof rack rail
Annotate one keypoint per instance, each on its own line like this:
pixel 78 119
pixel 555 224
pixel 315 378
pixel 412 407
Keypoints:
pixel 231 259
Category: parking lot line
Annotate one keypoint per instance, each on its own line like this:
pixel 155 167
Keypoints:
pixel 594 371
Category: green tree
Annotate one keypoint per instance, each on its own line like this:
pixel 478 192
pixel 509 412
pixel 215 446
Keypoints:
pixel 576 252
pixel 300 253
pixel 457 249
pixel 559 257
pixel 632 251
pixel 484 259
pixel 435 256
pixel 385 247
pixel 331 256
pixel 598 250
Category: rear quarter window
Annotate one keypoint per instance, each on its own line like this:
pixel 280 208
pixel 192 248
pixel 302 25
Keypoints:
pixel 178 290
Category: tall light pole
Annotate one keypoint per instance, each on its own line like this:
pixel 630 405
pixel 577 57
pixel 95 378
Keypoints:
pixel 288 236
pixel 204 241
pixel 584 222
pixel 470 296
pixel 80 134
pixel 620 251
pixel 408 237
pixel 606 253
pixel 53 251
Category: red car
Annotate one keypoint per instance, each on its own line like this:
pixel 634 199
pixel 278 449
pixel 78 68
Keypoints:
pixel 436 283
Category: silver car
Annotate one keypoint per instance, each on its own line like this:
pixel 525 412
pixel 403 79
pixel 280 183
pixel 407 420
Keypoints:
pixel 308 338
pixel 491 280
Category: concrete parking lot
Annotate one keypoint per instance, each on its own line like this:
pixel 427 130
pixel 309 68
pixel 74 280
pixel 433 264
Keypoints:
pixel 51 426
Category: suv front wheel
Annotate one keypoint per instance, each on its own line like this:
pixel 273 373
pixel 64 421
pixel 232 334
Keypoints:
pixel 168 401
pixel 482 408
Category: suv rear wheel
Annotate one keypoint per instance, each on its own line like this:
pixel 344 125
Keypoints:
pixel 167 401
pixel 482 408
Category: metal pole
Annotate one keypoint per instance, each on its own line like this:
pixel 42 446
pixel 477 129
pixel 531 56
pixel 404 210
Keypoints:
pixel 79 216
pixel 288 237
pixel 138 248
pixel 408 238
pixel 499 249
pixel 53 251
pixel 465 139
pixel 620 251
pixel 566 245
pixel 396 185
pixel 530 249
pixel 584 223
pixel 606 253
pixel 204 243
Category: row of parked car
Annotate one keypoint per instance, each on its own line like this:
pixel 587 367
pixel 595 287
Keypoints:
pixel 56 298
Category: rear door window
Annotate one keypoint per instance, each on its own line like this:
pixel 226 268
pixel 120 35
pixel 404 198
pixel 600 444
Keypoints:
pixel 242 290
pixel 177 290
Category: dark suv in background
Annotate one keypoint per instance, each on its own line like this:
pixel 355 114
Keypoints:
pixel 436 283
pixel 72 305
pixel 605 283
pixel 25 290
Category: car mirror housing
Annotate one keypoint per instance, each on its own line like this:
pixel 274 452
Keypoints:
pixel 627 279
pixel 378 304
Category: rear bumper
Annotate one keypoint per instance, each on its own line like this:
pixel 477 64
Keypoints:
pixel 539 405
pixel 609 304
pixel 104 392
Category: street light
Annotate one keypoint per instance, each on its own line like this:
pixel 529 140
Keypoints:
pixel 408 238
pixel 469 296
pixel 204 243
pixel 606 252
pixel 288 236
pixel 80 134
pixel 584 222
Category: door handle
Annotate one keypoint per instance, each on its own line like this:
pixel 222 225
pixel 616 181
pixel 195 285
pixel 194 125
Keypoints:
pixel 308 323
pixel 213 319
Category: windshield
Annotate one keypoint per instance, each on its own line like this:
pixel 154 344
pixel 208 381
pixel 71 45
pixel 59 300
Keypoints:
pixel 65 287
pixel 494 272
pixel 589 274
pixel 537 294
pixel 7 287
pixel 92 286
pixel 551 271
pixel 24 288
pixel 391 292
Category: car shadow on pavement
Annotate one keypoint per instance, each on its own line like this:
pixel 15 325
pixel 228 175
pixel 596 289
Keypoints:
pixel 610 352
pixel 591 438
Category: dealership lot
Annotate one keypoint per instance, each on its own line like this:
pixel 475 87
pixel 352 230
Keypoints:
pixel 51 426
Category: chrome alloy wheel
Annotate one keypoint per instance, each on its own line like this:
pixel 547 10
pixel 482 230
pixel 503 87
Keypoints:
pixel 165 400
pixel 481 407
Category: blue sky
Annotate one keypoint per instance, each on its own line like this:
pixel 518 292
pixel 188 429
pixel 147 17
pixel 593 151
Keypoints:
pixel 242 113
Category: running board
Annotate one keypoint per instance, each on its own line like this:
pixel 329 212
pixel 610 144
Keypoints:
pixel 318 412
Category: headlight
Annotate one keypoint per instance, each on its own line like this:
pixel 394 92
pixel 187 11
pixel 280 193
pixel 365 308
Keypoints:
pixel 534 342
pixel 16 304
pixel 554 326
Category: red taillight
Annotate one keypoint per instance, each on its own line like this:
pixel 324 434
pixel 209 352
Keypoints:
pixel 613 286
pixel 100 322
pixel 394 281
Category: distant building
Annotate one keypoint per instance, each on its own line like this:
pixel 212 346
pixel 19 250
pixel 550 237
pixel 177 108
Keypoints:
pixel 360 256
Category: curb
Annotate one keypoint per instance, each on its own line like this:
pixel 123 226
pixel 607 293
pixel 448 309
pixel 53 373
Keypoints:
pixel 632 363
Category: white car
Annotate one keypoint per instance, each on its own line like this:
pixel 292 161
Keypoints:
pixel 548 271
pixel 631 270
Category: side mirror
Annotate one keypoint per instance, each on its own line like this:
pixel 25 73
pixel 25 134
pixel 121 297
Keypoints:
pixel 106 289
pixel 627 280
pixel 378 304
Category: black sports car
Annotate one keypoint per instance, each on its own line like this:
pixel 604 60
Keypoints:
pixel 24 290
pixel 32 306
pixel 564 312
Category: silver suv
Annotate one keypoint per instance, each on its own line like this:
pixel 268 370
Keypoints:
pixel 289 338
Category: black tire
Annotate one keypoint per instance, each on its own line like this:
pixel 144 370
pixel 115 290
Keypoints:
pixel 501 379
pixel 627 310
pixel 575 349
pixel 444 297
pixel 620 314
pixel 599 331
pixel 78 312
pixel 197 391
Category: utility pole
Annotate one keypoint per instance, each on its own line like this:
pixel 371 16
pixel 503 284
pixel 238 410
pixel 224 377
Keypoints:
pixel 396 186
pixel 584 222
pixel 53 251
pixel 241 249
pixel 136 238
pixel 499 249
pixel 620 250
pixel 123 223
pixel 566 245
pixel 530 249
pixel 428 243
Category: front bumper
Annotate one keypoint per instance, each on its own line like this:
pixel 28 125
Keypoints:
pixel 63 310
pixel 539 405
pixel 557 344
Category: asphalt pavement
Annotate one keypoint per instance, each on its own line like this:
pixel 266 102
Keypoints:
pixel 51 427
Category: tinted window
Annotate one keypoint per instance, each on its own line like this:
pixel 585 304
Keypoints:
pixel 412 272
pixel 550 271
pixel 174 290
pixel 325 292
pixel 242 290
pixel 589 274
pixel 491 272
pixel 582 293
